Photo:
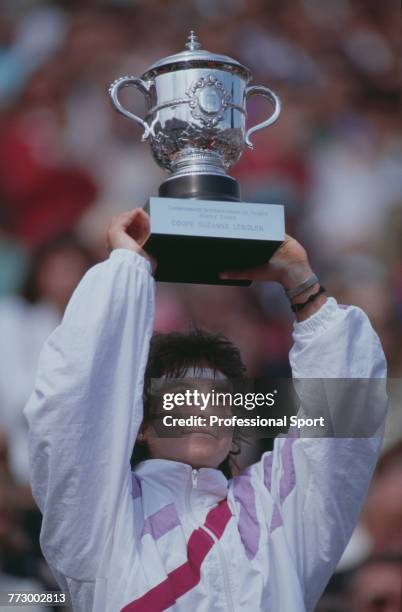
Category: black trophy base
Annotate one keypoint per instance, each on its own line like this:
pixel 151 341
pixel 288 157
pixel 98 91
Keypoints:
pixel 201 187
pixel 199 228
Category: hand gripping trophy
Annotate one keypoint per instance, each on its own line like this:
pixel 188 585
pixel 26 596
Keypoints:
pixel 196 126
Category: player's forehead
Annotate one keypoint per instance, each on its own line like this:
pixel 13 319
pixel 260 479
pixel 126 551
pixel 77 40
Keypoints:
pixel 198 376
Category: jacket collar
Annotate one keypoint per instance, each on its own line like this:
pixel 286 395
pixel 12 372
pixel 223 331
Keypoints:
pixel 163 482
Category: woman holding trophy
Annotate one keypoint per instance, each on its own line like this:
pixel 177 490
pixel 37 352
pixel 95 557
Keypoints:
pixel 183 530
pixel 177 533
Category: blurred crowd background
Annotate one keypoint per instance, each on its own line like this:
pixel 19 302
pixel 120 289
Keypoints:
pixel 68 162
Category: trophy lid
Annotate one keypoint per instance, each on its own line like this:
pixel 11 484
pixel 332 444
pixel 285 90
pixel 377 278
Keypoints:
pixel 196 57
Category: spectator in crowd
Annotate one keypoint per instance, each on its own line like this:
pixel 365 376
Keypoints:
pixel 375 586
pixel 25 322
pixel 15 549
pixel 382 517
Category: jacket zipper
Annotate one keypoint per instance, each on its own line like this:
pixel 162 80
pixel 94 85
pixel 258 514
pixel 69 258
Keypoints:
pixel 192 485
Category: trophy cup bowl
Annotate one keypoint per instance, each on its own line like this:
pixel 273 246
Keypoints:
pixel 195 124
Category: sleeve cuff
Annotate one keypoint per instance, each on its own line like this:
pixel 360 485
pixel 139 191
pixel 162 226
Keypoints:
pixel 131 257
pixel 320 320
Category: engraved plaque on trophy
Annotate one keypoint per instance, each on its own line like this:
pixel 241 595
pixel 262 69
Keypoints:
pixel 196 126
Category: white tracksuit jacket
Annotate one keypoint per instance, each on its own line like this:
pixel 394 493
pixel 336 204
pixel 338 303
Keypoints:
pixel 167 537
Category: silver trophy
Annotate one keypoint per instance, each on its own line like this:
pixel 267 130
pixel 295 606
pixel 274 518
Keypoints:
pixel 196 126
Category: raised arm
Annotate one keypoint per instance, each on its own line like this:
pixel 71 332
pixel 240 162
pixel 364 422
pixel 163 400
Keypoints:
pixel 321 483
pixel 86 408
pixel 309 491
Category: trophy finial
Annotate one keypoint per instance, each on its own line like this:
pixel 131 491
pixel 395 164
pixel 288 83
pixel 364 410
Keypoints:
pixel 193 43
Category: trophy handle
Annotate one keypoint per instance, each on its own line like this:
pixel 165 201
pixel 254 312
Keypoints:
pixel 144 87
pixel 259 90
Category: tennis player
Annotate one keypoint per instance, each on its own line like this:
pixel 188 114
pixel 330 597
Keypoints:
pixel 178 533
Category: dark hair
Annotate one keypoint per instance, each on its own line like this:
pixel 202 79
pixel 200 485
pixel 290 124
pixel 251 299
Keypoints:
pixel 171 354
pixel 386 558
pixel 391 558
pixel 58 244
